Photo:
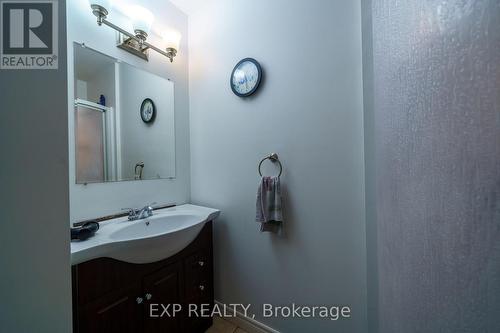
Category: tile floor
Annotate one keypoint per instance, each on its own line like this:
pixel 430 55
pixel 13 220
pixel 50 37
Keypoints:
pixel 223 326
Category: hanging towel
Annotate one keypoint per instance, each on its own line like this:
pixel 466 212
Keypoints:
pixel 269 213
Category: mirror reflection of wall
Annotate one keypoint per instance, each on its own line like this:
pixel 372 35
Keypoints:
pixel 146 143
pixel 114 140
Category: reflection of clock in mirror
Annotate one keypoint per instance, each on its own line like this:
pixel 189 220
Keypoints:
pixel 148 111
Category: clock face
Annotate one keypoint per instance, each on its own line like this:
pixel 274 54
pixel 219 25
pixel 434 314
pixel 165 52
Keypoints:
pixel 246 77
pixel 148 110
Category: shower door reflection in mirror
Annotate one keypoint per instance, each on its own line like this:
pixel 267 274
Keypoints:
pixel 124 121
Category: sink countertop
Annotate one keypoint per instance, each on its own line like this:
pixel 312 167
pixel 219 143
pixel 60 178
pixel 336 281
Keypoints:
pixel 123 235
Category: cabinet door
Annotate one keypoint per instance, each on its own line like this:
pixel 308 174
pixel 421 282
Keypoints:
pixel 117 312
pixel 162 288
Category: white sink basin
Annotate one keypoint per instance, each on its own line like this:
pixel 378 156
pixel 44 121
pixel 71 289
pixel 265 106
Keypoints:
pixel 158 237
pixel 155 225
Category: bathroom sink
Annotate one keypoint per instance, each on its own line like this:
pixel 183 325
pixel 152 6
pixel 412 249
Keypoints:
pixel 148 240
pixel 155 225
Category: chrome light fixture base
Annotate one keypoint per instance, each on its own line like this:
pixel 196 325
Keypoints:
pixel 171 53
pixel 133 46
pixel 141 35
pixel 100 12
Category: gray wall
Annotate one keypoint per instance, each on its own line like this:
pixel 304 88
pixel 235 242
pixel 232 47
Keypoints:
pixel 100 199
pixel 437 143
pixel 35 275
pixel 153 144
pixel 310 111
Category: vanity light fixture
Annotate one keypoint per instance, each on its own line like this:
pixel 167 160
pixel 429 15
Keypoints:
pixel 136 43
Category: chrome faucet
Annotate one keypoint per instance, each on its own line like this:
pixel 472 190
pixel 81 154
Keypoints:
pixel 139 214
pixel 145 212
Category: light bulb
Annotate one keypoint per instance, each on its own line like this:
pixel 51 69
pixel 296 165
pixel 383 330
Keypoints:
pixel 172 39
pixel 142 19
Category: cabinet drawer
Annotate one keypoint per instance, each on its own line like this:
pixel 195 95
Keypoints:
pixel 197 263
pixel 198 270
pixel 198 288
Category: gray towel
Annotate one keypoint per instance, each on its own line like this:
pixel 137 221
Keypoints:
pixel 269 213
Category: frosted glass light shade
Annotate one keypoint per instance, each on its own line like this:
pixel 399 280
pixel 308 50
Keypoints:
pixel 106 4
pixel 142 19
pixel 172 39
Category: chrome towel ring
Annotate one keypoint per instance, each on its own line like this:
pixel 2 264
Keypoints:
pixel 273 158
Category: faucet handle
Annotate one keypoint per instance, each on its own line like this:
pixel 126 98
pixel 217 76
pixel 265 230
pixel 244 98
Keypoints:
pixel 132 212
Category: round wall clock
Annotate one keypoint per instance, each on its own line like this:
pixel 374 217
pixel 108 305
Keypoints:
pixel 148 110
pixel 246 76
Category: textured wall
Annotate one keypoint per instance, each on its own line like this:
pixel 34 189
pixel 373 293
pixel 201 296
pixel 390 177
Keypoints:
pixel 309 110
pixel 370 177
pixel 437 130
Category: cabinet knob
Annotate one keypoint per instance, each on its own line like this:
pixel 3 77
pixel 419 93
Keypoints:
pixel 202 287
pixel 148 296
pixel 139 300
pixel 201 263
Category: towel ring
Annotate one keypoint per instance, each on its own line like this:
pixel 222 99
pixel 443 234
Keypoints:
pixel 273 158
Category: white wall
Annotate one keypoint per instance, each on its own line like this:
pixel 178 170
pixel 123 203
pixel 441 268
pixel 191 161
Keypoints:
pixel 310 111
pixel 99 199
pixel 35 276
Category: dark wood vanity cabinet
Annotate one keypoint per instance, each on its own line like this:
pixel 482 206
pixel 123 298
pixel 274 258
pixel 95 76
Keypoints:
pixel 112 296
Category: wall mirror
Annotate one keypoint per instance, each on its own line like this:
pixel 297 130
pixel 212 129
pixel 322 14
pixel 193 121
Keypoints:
pixel 124 121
